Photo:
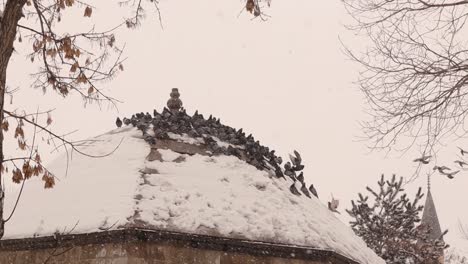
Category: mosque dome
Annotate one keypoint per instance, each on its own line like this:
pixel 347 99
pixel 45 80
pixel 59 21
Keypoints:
pixel 188 174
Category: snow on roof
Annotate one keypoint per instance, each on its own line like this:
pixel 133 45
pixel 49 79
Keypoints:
pixel 218 195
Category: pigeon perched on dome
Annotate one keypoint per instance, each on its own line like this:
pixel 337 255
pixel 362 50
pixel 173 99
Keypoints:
pixel 118 122
pixel 219 139
pixel 313 191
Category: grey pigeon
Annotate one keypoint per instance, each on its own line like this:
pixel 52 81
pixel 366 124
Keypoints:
pixel 461 163
pixel 126 121
pixel 313 190
pixel 333 205
pixel 423 159
pixel 304 190
pixel 294 190
pixel 462 151
pixel 300 177
pixel 441 169
pixel 118 122
pixel 450 174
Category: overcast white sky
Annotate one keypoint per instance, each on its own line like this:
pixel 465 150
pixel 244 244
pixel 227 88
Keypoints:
pixel 285 80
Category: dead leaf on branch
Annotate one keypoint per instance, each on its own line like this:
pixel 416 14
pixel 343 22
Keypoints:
pixel 82 78
pixel 37 170
pixel 51 52
pixel 49 119
pixel 27 170
pixel 17 176
pixel 111 41
pixel 22 144
pixel 19 132
pixel 250 5
pixel 5 125
pixel 37 158
pixel 74 67
pixel 88 11
pixel 49 180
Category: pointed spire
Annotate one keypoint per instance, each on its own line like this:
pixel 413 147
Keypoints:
pixel 429 217
pixel 428 183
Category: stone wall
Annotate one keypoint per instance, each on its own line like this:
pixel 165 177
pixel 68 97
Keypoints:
pixel 139 253
pixel 137 246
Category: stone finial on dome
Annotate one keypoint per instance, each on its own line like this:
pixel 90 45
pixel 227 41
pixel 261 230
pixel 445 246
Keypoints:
pixel 174 103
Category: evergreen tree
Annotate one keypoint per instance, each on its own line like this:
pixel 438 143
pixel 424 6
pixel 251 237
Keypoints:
pixel 389 224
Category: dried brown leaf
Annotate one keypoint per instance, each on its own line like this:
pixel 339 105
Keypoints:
pixel 88 11
pixel 5 125
pixel 49 119
pixel 17 176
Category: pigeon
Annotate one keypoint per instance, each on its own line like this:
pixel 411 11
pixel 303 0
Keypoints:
pixel 313 190
pixel 151 140
pixel 441 169
pixel 461 163
pixel 148 117
pixel 279 160
pixel 304 190
pixel 450 174
pixel 279 173
pixel 126 121
pixel 296 160
pixel 294 190
pixel 333 205
pixel 462 151
pixel 118 122
pixel 423 159
pixel 243 146
pixel 300 177
pixel 291 174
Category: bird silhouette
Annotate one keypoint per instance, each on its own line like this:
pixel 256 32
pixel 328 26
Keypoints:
pixel 126 121
pixel 461 163
pixel 296 159
pixel 304 190
pixel 300 177
pixel 441 169
pixel 313 190
pixel 243 146
pixel 118 122
pixel 294 190
pixel 333 205
pixel 423 159
pixel 462 151
pixel 450 175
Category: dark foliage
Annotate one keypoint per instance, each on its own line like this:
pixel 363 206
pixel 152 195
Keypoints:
pixel 390 225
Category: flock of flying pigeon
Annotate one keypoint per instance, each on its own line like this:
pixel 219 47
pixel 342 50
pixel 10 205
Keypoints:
pixel 174 119
pixel 444 170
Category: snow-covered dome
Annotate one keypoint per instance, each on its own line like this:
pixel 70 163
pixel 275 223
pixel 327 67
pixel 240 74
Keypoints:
pixel 177 184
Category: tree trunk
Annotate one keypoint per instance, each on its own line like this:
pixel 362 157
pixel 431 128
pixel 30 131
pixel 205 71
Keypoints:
pixel 8 25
